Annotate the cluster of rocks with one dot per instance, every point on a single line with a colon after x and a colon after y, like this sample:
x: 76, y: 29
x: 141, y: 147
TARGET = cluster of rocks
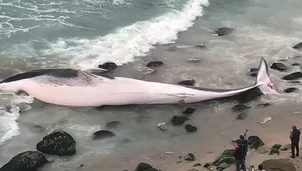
x: 226, y: 161
x: 58, y: 143
x: 222, y: 31
x: 179, y: 120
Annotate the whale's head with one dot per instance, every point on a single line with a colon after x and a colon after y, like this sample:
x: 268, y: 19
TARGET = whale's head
x: 14, y: 86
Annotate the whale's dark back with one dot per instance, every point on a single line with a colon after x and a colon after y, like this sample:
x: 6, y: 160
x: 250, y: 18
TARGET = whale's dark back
x: 62, y: 73
x: 59, y: 73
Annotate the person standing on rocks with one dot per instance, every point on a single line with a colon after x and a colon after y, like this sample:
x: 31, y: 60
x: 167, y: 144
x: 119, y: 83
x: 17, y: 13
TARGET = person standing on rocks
x: 239, y: 155
x: 244, y: 143
x: 295, y: 139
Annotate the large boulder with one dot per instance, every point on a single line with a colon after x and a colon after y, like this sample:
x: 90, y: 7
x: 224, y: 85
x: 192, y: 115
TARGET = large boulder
x: 57, y: 143
x: 144, y: 167
x: 278, y: 164
x: 254, y: 142
x: 226, y: 157
x: 26, y: 161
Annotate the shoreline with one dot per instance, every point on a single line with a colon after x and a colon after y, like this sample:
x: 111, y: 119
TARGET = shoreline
x: 207, y: 149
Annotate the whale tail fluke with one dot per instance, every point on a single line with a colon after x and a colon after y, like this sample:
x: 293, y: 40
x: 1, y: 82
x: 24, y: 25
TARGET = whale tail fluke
x: 263, y: 80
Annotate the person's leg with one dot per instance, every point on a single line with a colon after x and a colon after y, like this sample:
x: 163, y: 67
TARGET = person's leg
x: 293, y: 150
x: 238, y: 165
x: 297, y: 149
x: 243, y: 165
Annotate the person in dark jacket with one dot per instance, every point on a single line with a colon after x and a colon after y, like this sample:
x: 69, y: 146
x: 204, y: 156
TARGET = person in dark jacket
x: 295, y: 139
x: 244, y: 142
x: 239, y: 155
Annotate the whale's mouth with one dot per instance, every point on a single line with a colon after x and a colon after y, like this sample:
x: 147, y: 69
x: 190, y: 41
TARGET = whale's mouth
x: 22, y: 93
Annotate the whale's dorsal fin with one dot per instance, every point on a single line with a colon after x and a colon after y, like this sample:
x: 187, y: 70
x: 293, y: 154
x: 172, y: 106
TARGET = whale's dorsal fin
x: 98, y: 72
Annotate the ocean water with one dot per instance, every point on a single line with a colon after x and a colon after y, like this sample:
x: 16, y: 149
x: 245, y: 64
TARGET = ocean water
x: 84, y: 34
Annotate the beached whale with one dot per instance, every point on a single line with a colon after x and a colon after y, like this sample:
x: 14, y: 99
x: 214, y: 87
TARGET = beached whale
x: 70, y: 87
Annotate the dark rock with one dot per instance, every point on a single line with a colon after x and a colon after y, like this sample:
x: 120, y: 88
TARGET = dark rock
x: 145, y: 167
x: 253, y: 72
x: 264, y: 105
x: 26, y: 161
x: 108, y: 66
x: 189, y: 157
x: 113, y: 124
x: 178, y: 120
x: 275, y: 149
x: 207, y: 165
x: 190, y: 128
x: 290, y: 90
x: 196, y: 165
x: 226, y: 157
x: 188, y: 111
x: 255, y: 142
x: 223, y: 31
x: 242, y: 116
x: 293, y: 76
x: 280, y: 164
x: 57, y: 143
x: 102, y: 134
x: 277, y: 146
x: 298, y: 46
x: 187, y: 82
x: 153, y: 64
x: 240, y: 107
x: 278, y: 66
x: 296, y: 64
